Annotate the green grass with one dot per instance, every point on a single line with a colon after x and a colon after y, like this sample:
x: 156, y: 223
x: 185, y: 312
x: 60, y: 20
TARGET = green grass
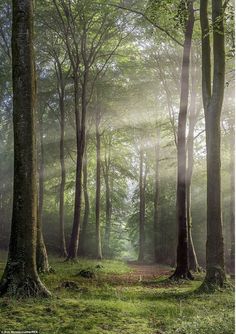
x: 104, y: 305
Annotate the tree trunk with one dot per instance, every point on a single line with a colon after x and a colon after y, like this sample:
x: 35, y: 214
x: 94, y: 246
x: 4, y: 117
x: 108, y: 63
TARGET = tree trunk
x: 142, y: 184
x: 83, y: 233
x: 41, y: 252
x: 106, y: 175
x: 20, y: 276
x: 98, y: 185
x: 232, y: 202
x: 213, y: 100
x: 193, y: 262
x: 182, y: 269
x: 80, y: 135
x: 156, y: 198
x: 61, y: 94
x: 108, y: 210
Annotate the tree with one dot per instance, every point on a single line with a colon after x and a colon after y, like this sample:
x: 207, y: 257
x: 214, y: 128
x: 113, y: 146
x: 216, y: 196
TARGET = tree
x: 106, y: 167
x: 98, y: 249
x: 84, y: 35
x: 61, y: 85
x: 156, y: 196
x: 142, y: 189
x: 232, y: 199
x: 193, y: 116
x: 41, y: 252
x: 212, y: 94
x: 182, y: 269
x: 83, y: 233
x: 72, y: 30
x: 20, y: 277
x: 169, y: 72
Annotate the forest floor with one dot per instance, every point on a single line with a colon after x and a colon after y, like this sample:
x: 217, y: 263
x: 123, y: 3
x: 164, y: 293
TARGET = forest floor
x: 118, y: 298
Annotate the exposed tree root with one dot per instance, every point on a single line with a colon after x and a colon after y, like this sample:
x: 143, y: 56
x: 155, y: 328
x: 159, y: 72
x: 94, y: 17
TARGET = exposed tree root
x: 72, y: 259
x: 48, y: 270
x: 23, y: 288
x: 181, y: 274
x: 215, y: 279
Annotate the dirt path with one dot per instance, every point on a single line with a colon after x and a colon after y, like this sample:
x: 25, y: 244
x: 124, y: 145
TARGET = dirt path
x: 139, y: 273
x: 147, y: 271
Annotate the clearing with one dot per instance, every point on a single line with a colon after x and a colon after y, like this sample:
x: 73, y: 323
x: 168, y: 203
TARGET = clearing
x: 119, y: 298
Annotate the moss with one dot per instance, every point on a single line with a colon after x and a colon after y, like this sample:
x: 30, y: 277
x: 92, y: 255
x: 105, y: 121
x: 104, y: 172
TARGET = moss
x: 98, y: 306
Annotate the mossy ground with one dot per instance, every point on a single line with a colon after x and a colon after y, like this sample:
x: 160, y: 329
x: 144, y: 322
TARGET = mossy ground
x: 106, y: 305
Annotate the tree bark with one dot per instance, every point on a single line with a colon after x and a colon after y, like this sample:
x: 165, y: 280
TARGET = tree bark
x: 80, y: 135
x: 41, y: 252
x: 182, y: 269
x: 232, y: 201
x: 61, y: 95
x: 106, y: 174
x: 142, y: 184
x: 156, y: 198
x: 98, y: 184
x: 83, y: 233
x: 193, y: 262
x: 20, y: 276
x: 213, y: 100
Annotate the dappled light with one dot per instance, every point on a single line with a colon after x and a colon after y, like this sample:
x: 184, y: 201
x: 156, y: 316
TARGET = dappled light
x: 117, y: 192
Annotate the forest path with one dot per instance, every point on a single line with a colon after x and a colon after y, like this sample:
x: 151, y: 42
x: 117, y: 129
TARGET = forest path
x: 140, y: 273
x: 148, y: 271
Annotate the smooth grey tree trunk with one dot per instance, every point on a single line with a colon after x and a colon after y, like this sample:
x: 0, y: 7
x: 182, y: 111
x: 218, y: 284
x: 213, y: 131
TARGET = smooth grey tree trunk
x: 20, y: 277
x: 61, y: 95
x: 213, y: 99
x: 182, y: 269
x: 80, y: 135
x: 156, y: 198
x: 142, y: 186
x: 98, y: 250
x: 107, y: 179
x: 193, y: 113
x: 41, y: 251
x: 83, y: 234
x: 232, y: 201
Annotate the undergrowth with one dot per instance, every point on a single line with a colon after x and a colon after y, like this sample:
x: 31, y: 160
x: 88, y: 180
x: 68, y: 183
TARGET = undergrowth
x: 101, y: 304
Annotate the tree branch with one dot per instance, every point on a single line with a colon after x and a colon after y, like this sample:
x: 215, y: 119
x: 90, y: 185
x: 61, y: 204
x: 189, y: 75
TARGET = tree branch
x: 137, y: 12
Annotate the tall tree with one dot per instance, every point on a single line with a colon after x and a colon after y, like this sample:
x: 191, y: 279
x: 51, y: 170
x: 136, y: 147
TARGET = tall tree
x: 98, y: 250
x: 83, y: 233
x: 156, y: 197
x: 107, y: 179
x: 41, y: 252
x: 20, y: 277
x: 84, y: 35
x: 75, y: 40
x: 182, y: 269
x: 232, y: 199
x: 213, y: 94
x: 193, y: 115
x: 61, y: 85
x: 142, y: 188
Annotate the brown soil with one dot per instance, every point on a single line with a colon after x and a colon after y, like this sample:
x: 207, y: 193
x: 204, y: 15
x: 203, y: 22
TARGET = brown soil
x: 139, y: 274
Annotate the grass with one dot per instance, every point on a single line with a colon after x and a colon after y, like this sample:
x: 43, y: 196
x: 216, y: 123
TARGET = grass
x: 104, y: 305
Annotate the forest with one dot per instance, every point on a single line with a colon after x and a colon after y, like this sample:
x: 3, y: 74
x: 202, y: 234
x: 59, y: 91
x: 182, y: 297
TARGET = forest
x: 117, y: 166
